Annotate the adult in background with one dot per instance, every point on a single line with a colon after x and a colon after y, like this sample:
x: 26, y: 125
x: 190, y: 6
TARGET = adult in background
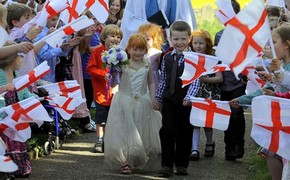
x: 136, y: 13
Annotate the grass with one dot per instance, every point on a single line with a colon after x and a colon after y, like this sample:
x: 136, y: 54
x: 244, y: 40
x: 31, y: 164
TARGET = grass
x: 259, y: 169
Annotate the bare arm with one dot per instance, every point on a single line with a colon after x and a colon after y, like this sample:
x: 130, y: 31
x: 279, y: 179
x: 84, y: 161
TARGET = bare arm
x: 218, y: 78
x: 152, y: 89
x: 23, y: 47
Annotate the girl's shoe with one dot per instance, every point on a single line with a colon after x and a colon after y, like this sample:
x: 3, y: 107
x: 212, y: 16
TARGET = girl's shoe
x: 194, y: 156
x: 209, y: 150
x: 125, y: 169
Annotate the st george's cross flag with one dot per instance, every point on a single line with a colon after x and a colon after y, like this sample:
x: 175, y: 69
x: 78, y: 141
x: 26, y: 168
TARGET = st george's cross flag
x: 16, y: 124
x: 65, y: 105
x: 252, y: 75
x: 244, y: 36
x: 73, y: 11
x: 51, y: 8
x: 17, y: 132
x: 27, y: 110
x: 271, y: 124
x: 218, y: 68
x: 34, y: 75
x: 53, y: 39
x: 69, y: 88
x: 210, y: 113
x: 6, y: 163
x: 278, y: 3
x: 99, y: 8
x: 195, y: 64
x: 225, y: 11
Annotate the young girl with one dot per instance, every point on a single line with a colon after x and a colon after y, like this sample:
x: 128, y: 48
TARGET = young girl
x: 201, y: 42
x: 133, y: 124
x: 116, y: 12
x: 154, y: 36
x: 111, y: 35
x: 16, y: 150
x: 281, y: 41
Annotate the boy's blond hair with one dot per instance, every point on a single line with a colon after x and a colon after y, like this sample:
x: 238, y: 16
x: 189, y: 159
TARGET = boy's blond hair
x: 15, y: 11
x: 110, y: 29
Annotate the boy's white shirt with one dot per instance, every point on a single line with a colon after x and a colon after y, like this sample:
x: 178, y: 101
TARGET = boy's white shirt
x: 135, y: 15
x: 4, y: 36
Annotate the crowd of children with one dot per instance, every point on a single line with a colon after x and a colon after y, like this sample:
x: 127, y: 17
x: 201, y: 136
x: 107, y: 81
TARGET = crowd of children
x: 149, y: 115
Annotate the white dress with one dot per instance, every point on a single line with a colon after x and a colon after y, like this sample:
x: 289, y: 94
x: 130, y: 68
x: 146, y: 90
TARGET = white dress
x: 132, y: 129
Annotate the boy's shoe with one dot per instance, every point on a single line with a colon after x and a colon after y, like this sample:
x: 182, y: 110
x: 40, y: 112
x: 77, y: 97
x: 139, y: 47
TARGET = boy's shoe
x: 181, y: 171
x: 90, y: 127
x: 99, y: 147
x: 165, y: 171
x: 230, y: 156
x: 239, y: 151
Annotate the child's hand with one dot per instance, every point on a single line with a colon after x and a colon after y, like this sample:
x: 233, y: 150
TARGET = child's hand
x: 268, y: 92
x: 275, y: 64
x: 186, y: 103
x: 234, y: 103
x: 72, y: 42
x: 108, y: 77
x: 33, y: 32
x: 265, y: 76
x: 155, y: 104
x: 9, y: 87
x: 51, y: 30
x: 24, y: 47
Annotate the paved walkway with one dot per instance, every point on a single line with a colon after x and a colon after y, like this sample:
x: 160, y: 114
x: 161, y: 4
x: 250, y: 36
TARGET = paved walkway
x: 75, y: 160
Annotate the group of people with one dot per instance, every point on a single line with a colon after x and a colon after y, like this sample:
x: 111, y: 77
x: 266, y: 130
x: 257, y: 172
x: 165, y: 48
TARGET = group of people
x: 147, y: 113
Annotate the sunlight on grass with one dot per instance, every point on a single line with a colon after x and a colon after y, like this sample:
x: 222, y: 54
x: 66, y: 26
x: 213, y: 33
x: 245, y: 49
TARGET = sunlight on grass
x: 135, y: 175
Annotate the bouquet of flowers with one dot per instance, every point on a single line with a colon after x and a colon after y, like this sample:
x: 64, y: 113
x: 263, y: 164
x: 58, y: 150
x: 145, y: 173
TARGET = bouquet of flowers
x: 114, y: 59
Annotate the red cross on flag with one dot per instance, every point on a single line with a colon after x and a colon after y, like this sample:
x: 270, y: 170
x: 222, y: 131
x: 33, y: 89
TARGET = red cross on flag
x: 27, y: 110
x: 218, y: 68
x: 69, y: 88
x: 195, y: 64
x: 210, y: 113
x: 76, y: 25
x: 244, y: 36
x: 99, y: 8
x: 271, y: 124
x: 64, y: 105
x: 17, y: 132
x: 225, y: 11
x: 34, y: 75
x: 252, y: 75
x: 50, y: 9
x: 16, y: 124
x: 279, y: 3
x: 73, y: 11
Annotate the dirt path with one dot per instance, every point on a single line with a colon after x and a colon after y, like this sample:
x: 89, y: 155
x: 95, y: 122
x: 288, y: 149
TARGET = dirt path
x: 76, y: 160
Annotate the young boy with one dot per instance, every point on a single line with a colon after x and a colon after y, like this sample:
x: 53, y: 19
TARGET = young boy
x: 176, y: 130
x: 51, y: 54
x: 21, y: 30
x: 23, y: 47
